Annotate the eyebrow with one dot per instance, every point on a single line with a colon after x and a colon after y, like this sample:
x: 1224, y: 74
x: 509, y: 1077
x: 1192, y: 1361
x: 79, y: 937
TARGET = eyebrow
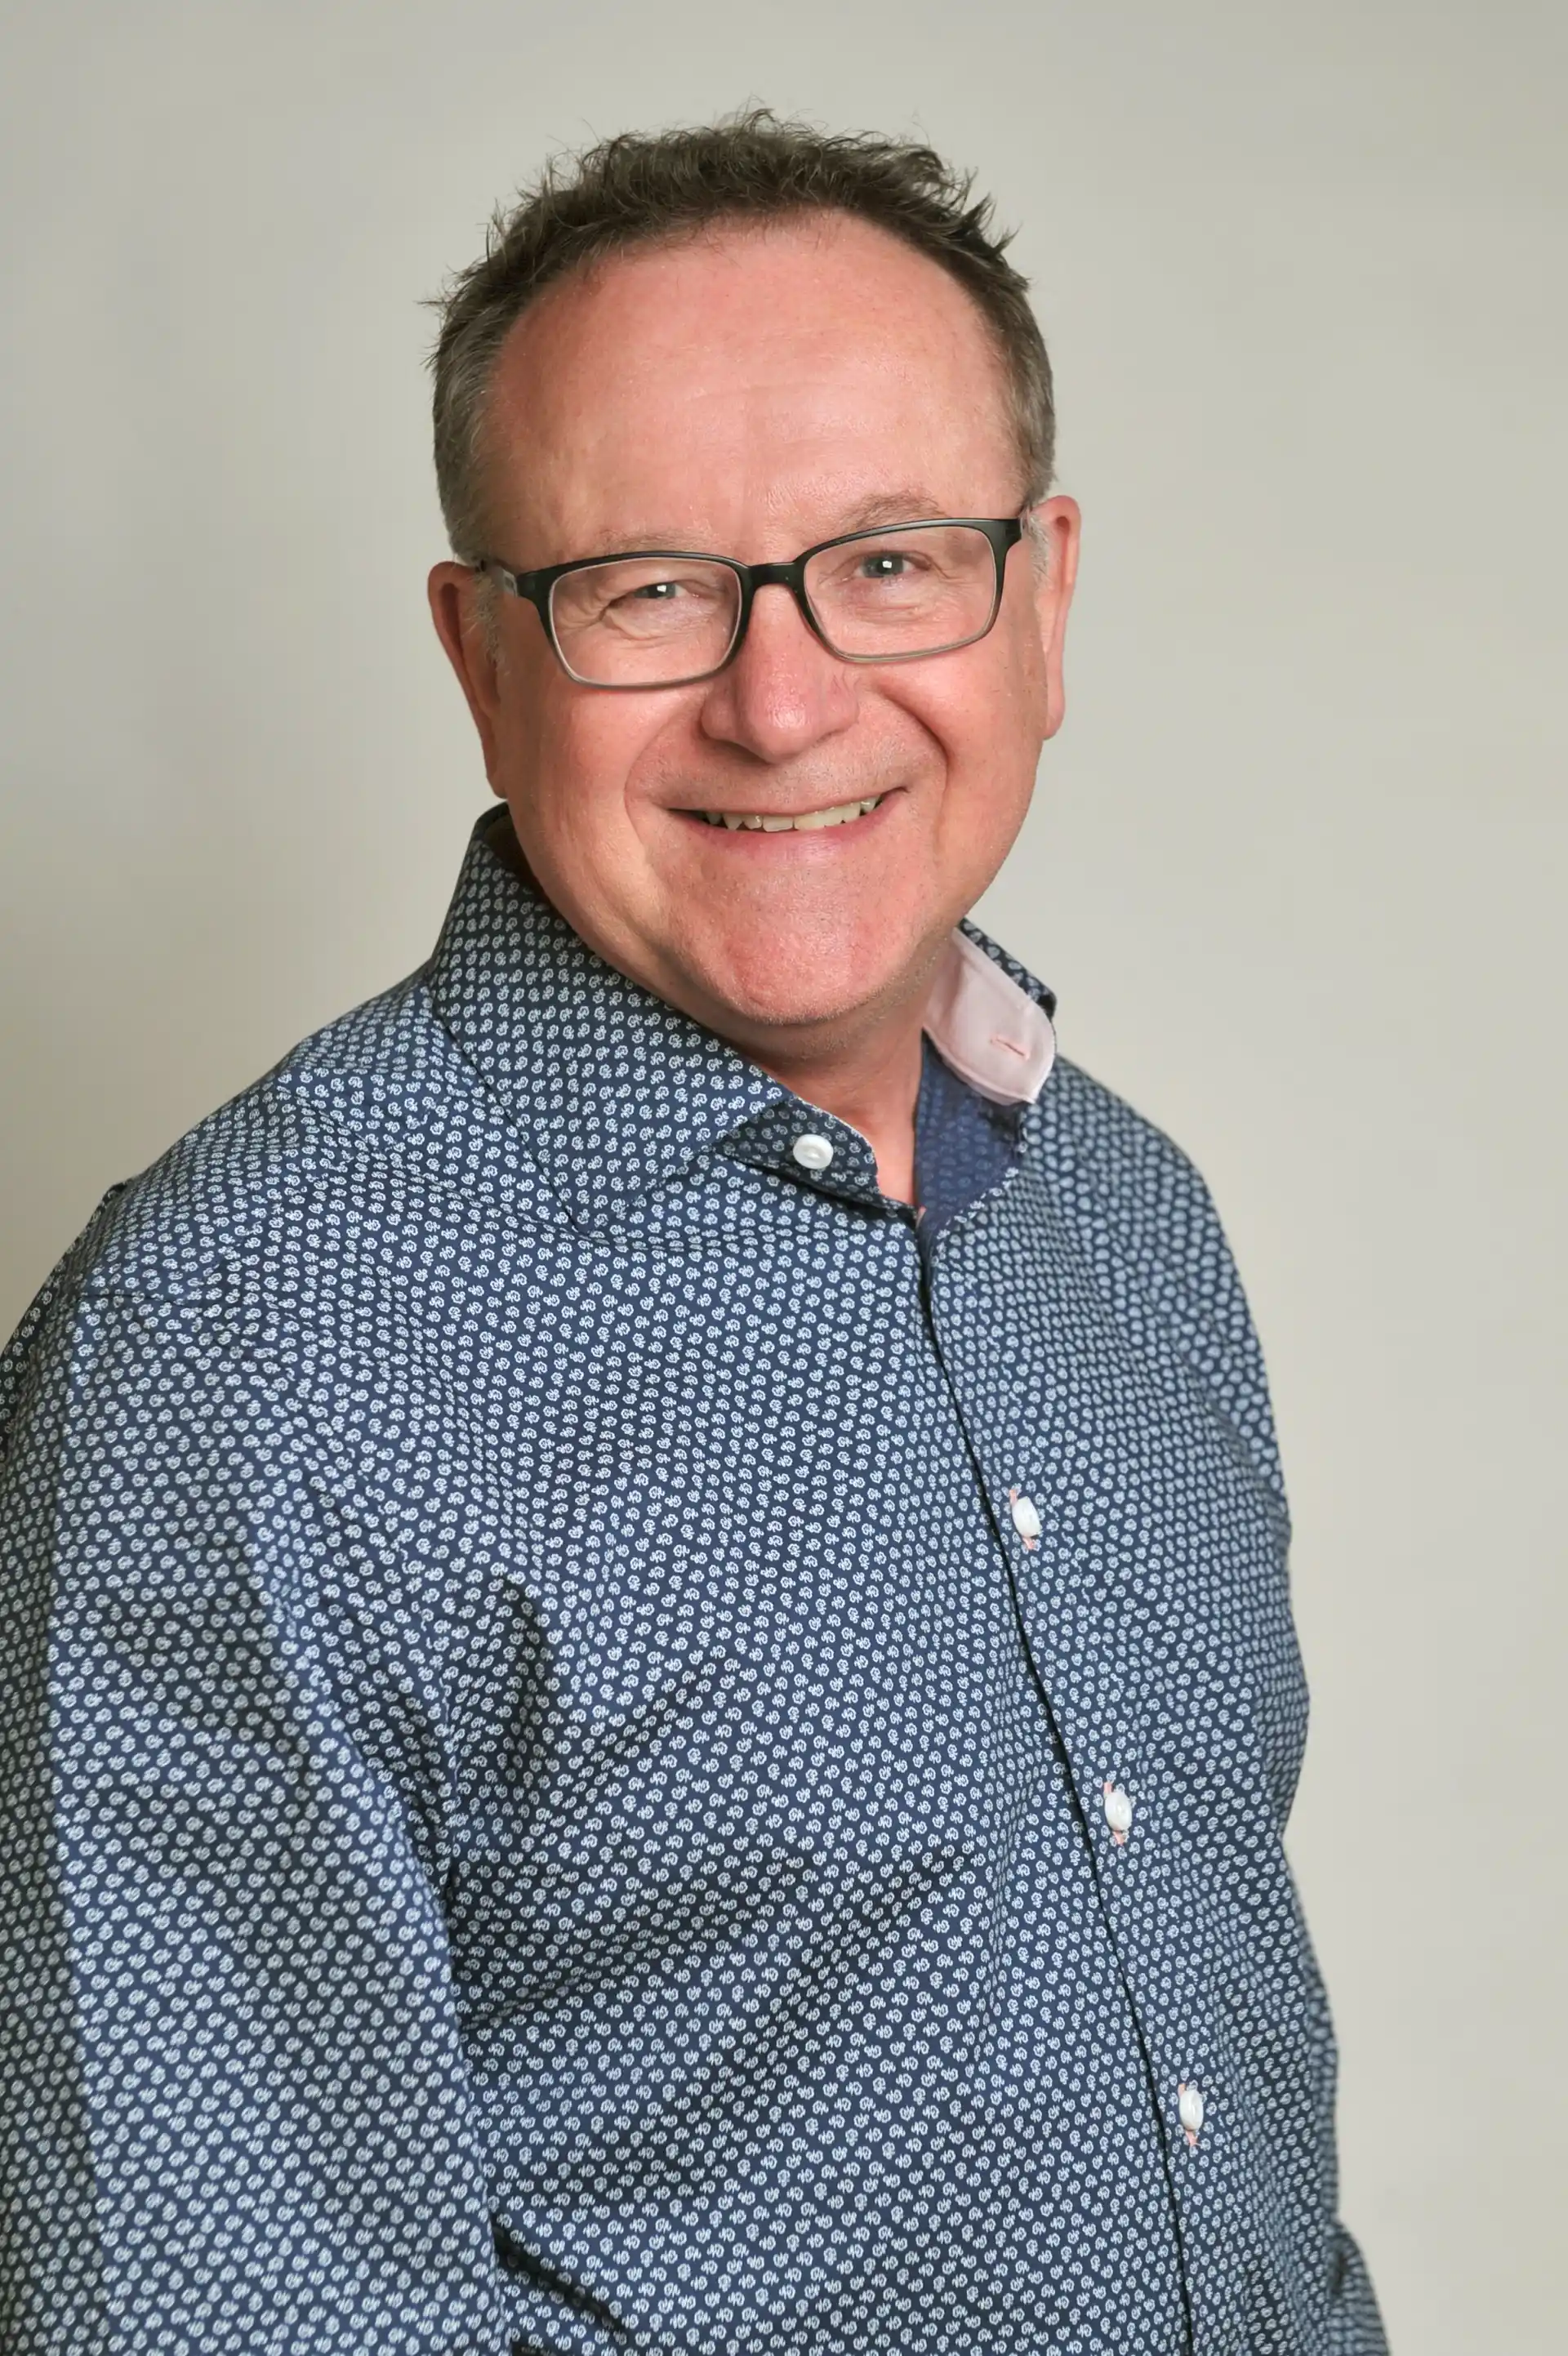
x: 895, y: 506
x: 882, y: 507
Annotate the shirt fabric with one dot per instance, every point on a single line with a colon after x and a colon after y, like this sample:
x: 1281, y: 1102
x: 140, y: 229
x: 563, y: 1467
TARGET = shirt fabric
x: 573, y: 1689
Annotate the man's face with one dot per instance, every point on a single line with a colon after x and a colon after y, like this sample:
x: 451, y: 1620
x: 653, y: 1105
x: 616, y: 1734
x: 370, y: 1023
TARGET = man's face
x: 749, y: 394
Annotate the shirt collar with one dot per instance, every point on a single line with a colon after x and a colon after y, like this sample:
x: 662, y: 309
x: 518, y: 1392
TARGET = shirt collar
x: 613, y: 1090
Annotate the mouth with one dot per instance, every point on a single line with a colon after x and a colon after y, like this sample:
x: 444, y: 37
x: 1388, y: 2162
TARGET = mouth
x: 782, y: 822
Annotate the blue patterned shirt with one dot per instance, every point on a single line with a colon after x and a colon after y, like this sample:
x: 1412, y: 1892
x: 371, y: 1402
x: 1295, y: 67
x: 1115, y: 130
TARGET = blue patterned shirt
x: 613, y: 1744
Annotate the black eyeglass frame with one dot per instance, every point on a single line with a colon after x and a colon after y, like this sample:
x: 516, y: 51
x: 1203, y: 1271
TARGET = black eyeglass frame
x: 537, y: 589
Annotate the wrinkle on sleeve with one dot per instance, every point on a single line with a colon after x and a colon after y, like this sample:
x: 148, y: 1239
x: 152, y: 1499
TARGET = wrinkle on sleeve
x: 1356, y: 2327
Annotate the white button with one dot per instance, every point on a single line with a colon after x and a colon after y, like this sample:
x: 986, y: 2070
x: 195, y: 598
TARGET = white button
x: 1118, y: 1812
x: 1190, y: 2110
x: 1025, y: 1516
x: 812, y: 1153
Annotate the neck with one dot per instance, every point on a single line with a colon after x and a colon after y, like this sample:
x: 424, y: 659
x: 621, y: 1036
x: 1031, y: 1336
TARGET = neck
x: 872, y: 1089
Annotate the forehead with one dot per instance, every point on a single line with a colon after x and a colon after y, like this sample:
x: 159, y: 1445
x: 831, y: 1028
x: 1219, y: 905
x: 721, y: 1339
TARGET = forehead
x: 745, y: 378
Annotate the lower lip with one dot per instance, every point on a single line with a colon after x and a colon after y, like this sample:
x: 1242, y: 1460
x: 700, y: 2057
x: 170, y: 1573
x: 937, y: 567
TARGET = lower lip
x: 758, y: 841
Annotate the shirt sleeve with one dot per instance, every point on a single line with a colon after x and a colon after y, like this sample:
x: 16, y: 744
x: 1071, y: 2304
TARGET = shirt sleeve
x: 1356, y: 2327
x: 234, y: 2114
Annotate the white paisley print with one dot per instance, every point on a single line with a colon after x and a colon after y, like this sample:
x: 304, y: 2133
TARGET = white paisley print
x: 610, y: 1744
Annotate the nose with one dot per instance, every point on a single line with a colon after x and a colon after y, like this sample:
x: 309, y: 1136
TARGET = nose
x: 784, y: 692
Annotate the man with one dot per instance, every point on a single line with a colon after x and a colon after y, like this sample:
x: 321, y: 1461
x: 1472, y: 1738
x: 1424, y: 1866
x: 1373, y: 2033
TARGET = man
x: 653, y: 1692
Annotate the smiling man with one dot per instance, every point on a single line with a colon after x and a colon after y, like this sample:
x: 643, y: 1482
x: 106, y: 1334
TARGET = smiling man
x: 652, y: 1700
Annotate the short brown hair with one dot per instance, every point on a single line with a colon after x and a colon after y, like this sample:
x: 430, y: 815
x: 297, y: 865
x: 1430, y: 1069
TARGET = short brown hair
x: 642, y: 187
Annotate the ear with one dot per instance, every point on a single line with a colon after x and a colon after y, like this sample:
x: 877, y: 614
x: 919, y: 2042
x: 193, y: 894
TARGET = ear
x: 454, y: 592
x: 1055, y: 524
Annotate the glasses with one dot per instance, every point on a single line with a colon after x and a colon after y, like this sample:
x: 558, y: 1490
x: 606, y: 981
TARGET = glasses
x: 664, y: 616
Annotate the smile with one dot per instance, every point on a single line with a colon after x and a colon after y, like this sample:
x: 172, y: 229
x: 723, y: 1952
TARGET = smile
x: 759, y: 822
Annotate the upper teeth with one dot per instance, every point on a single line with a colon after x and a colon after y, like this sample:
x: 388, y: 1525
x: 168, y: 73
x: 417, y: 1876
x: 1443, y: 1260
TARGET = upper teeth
x: 839, y: 815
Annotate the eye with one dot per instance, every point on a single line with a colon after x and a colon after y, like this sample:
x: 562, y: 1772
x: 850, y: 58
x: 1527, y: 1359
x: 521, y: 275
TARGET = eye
x: 884, y: 565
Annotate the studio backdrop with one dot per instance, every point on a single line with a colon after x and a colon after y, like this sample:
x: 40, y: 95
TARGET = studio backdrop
x: 1295, y: 866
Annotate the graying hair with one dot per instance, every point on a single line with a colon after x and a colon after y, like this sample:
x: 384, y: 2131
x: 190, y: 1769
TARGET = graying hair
x: 645, y: 187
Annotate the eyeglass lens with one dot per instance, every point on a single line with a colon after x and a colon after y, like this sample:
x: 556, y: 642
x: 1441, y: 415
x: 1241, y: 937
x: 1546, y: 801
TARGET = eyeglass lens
x: 651, y: 621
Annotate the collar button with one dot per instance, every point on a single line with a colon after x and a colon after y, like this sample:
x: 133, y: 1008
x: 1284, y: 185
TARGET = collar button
x: 812, y: 1153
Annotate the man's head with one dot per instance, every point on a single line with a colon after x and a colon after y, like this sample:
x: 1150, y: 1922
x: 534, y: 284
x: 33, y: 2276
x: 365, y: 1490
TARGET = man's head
x: 746, y: 340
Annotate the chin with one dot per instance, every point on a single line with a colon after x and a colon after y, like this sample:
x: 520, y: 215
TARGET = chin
x: 793, y: 981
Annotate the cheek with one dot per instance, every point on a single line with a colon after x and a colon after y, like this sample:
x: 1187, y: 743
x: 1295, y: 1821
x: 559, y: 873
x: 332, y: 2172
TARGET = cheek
x: 573, y: 754
x: 1022, y: 682
x: 986, y: 708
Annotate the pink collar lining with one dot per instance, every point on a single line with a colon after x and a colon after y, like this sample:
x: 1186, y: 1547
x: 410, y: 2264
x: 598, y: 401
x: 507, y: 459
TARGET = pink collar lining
x: 988, y: 1031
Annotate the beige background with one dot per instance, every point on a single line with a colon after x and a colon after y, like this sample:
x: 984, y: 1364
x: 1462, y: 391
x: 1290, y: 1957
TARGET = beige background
x: 1294, y: 867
